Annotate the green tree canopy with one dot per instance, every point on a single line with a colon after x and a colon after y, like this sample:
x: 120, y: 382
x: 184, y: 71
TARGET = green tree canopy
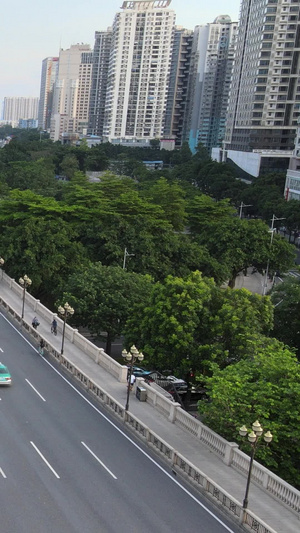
x: 168, y: 327
x: 104, y: 298
x: 265, y: 386
x: 286, y: 300
x: 46, y: 250
x: 238, y: 316
x: 188, y: 323
x: 237, y: 243
x: 37, y: 176
x: 69, y: 165
x: 170, y: 196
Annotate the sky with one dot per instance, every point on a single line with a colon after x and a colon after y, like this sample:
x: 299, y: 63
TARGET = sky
x: 31, y: 31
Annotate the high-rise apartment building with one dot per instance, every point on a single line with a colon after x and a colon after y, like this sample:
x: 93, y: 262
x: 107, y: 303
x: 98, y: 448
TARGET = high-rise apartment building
x: 264, y: 102
x: 48, y: 79
x: 70, y: 110
x: 99, y: 81
x: 175, y: 113
x: 139, y: 67
x: 209, y: 82
x: 16, y: 108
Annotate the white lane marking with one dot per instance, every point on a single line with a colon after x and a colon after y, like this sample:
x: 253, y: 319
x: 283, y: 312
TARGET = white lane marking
x: 99, y: 461
x: 2, y: 473
x: 1, y: 350
x: 44, y: 459
x: 37, y: 392
x: 124, y: 434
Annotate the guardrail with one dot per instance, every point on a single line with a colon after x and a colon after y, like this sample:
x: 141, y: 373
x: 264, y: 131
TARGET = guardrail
x: 176, y: 461
x: 98, y: 355
x: 229, y: 452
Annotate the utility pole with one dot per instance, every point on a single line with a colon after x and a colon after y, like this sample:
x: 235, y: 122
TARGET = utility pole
x: 268, y: 264
x: 126, y: 254
x: 242, y: 206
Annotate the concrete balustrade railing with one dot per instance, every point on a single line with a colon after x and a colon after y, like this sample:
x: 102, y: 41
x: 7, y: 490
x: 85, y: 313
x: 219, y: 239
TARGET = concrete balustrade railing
x: 175, y: 413
x: 96, y: 354
x: 177, y: 461
x: 266, y: 479
x: 229, y: 452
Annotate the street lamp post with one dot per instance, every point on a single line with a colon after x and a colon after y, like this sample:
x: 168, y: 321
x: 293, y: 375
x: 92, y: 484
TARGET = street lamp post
x: 253, y: 438
x: 126, y: 254
x: 242, y: 207
x: 268, y: 264
x: 65, y: 311
x: 131, y: 357
x: 24, y: 282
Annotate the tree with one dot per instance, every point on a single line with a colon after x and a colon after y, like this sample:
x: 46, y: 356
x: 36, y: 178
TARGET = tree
x: 69, y: 165
x: 204, y: 211
x: 96, y: 160
x: 188, y: 323
x: 238, y: 316
x: 265, y: 195
x: 104, y: 298
x: 37, y: 176
x: 181, y: 156
x: 168, y: 327
x: 202, y: 154
x: 14, y: 151
x: 47, y: 250
x: 291, y: 214
x: 155, y: 143
x: 286, y: 300
x: 170, y: 196
x: 237, y: 243
x: 265, y: 386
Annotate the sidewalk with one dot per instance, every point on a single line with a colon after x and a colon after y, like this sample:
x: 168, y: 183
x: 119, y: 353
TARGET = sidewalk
x: 253, y: 282
x: 277, y: 516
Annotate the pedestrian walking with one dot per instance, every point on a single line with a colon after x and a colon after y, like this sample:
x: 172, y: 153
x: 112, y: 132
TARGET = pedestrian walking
x: 54, y: 327
x: 132, y: 381
x: 41, y: 347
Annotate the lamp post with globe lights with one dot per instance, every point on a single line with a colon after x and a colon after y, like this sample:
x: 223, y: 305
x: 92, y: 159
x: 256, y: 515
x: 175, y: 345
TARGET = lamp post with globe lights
x: 65, y: 311
x: 24, y: 282
x: 131, y: 357
x: 253, y: 437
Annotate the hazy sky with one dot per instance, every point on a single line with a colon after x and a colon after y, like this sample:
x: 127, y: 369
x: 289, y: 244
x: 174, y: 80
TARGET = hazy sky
x: 31, y: 31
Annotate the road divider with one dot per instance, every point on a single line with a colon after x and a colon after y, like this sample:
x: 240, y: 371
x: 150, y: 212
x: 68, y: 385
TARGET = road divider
x: 44, y: 459
x: 37, y: 392
x: 99, y: 460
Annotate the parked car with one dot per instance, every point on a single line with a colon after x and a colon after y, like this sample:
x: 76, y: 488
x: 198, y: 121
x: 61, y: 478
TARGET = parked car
x: 179, y: 384
x: 140, y: 372
x: 169, y: 383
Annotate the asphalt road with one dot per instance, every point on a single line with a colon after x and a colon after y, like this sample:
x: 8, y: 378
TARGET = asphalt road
x: 66, y: 467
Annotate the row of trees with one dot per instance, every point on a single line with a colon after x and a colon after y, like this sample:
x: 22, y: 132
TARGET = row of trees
x: 85, y: 222
x: 186, y: 245
x: 264, y: 195
x: 192, y: 326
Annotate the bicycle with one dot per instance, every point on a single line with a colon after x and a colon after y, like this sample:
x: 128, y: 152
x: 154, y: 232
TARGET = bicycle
x: 54, y: 330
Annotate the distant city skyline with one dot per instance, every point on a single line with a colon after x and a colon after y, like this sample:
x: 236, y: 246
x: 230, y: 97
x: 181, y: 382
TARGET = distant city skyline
x: 32, y: 32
